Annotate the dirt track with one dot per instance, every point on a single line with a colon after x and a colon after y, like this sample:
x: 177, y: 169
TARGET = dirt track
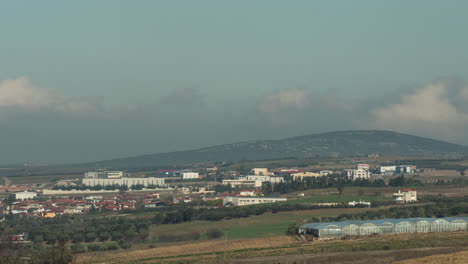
x: 453, y: 258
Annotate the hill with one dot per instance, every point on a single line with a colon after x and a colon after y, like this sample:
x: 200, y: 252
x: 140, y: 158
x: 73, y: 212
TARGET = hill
x: 331, y: 144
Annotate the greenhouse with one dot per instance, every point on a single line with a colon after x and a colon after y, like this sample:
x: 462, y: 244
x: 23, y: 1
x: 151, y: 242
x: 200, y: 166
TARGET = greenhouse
x: 385, y: 226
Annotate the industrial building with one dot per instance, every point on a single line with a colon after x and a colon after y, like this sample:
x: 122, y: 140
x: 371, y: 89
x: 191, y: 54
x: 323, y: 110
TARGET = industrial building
x: 384, y: 226
x: 301, y: 175
x: 125, y: 181
x: 239, y: 201
x: 190, y: 175
x: 358, y: 174
x: 104, y: 175
x: 25, y: 195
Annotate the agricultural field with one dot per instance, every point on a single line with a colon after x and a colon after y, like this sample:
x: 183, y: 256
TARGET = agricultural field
x: 283, y: 249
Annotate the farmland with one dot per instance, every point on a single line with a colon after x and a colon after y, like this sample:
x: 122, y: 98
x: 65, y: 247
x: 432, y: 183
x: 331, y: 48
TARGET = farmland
x: 281, y: 248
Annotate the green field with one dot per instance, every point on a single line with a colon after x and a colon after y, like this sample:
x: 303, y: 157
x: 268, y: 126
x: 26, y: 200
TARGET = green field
x: 255, y: 226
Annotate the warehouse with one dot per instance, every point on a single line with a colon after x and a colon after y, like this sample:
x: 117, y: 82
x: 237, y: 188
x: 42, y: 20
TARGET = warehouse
x: 384, y: 226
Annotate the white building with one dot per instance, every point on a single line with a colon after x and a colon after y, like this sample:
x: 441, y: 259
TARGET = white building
x: 363, y: 166
x: 125, y: 181
x: 405, y: 196
x: 247, y: 193
x: 240, y: 201
x: 104, y: 175
x: 389, y: 170
x: 260, y: 171
x: 25, y: 195
x: 325, y: 173
x: 360, y: 203
x: 272, y: 179
x: 406, y: 169
x: 242, y: 182
x: 358, y: 174
x: 190, y: 175
x: 114, y: 174
x: 302, y: 175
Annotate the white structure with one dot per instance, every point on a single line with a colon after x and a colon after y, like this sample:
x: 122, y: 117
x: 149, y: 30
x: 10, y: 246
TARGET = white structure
x: 104, y: 175
x: 388, y: 169
x: 247, y: 193
x: 124, y: 181
x: 271, y: 179
x: 353, y: 203
x: 25, y: 195
x: 114, y: 174
x: 363, y: 166
x: 240, y: 201
x: 325, y: 173
x: 242, y: 182
x: 358, y: 174
x: 302, y: 175
x: 405, y: 196
x: 260, y: 171
x: 190, y: 175
x: 406, y: 169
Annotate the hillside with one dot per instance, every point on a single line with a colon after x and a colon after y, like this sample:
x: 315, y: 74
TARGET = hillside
x: 331, y: 144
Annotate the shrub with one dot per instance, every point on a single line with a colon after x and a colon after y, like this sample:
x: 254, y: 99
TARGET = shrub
x: 213, y: 233
x: 94, y: 247
x: 78, y: 248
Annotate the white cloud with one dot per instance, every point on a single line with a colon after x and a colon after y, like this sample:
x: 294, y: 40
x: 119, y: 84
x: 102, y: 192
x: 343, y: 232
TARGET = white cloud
x: 283, y: 100
x: 426, y: 110
x: 22, y: 94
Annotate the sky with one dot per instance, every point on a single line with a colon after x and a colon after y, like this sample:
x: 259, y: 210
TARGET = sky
x: 93, y: 80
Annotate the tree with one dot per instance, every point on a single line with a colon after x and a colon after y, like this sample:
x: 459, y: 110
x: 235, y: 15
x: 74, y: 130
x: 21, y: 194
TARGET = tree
x: 214, y: 232
x: 340, y: 188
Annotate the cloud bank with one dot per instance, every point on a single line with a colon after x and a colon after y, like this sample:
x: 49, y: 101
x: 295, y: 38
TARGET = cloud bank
x: 41, y: 124
x: 23, y: 95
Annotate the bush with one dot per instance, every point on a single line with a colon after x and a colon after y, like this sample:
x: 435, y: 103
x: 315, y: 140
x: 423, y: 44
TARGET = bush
x: 213, y: 233
x: 104, y: 236
x: 112, y: 247
x: 94, y: 248
x: 78, y: 248
x: 125, y: 245
x: 78, y: 238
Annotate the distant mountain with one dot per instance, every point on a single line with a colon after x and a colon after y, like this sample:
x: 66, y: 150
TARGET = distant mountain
x: 331, y: 144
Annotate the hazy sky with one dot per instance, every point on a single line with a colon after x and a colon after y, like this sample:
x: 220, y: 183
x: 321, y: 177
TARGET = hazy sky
x: 90, y: 80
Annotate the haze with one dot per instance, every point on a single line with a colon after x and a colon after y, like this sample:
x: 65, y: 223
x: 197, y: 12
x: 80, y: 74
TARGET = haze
x: 92, y: 80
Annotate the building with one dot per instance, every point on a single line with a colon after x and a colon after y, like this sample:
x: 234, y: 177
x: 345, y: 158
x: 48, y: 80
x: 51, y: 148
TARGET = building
x: 190, y: 175
x: 405, y: 196
x: 114, y: 174
x: 358, y: 174
x: 242, y: 182
x: 325, y: 173
x: 384, y: 226
x: 363, y: 166
x: 125, y: 181
x: 247, y: 193
x: 25, y: 195
x: 388, y: 170
x: 260, y: 171
x: 104, y: 175
x: 301, y: 175
x: 241, y: 201
x: 406, y: 169
x: 272, y: 179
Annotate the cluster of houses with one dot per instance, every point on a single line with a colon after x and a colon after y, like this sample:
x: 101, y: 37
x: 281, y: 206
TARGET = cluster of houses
x: 363, y: 171
x: 27, y: 203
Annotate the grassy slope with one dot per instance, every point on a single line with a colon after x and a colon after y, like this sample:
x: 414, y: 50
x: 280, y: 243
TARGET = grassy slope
x: 255, y: 226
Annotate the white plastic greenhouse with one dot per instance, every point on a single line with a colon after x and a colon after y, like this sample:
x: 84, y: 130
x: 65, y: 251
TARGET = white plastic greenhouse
x: 385, y: 226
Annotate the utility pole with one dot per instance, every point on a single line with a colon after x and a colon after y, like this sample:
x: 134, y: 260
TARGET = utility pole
x: 225, y: 243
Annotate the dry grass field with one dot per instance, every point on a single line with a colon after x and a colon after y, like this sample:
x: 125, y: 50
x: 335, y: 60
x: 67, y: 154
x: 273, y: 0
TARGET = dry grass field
x: 284, y: 249
x: 453, y: 258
